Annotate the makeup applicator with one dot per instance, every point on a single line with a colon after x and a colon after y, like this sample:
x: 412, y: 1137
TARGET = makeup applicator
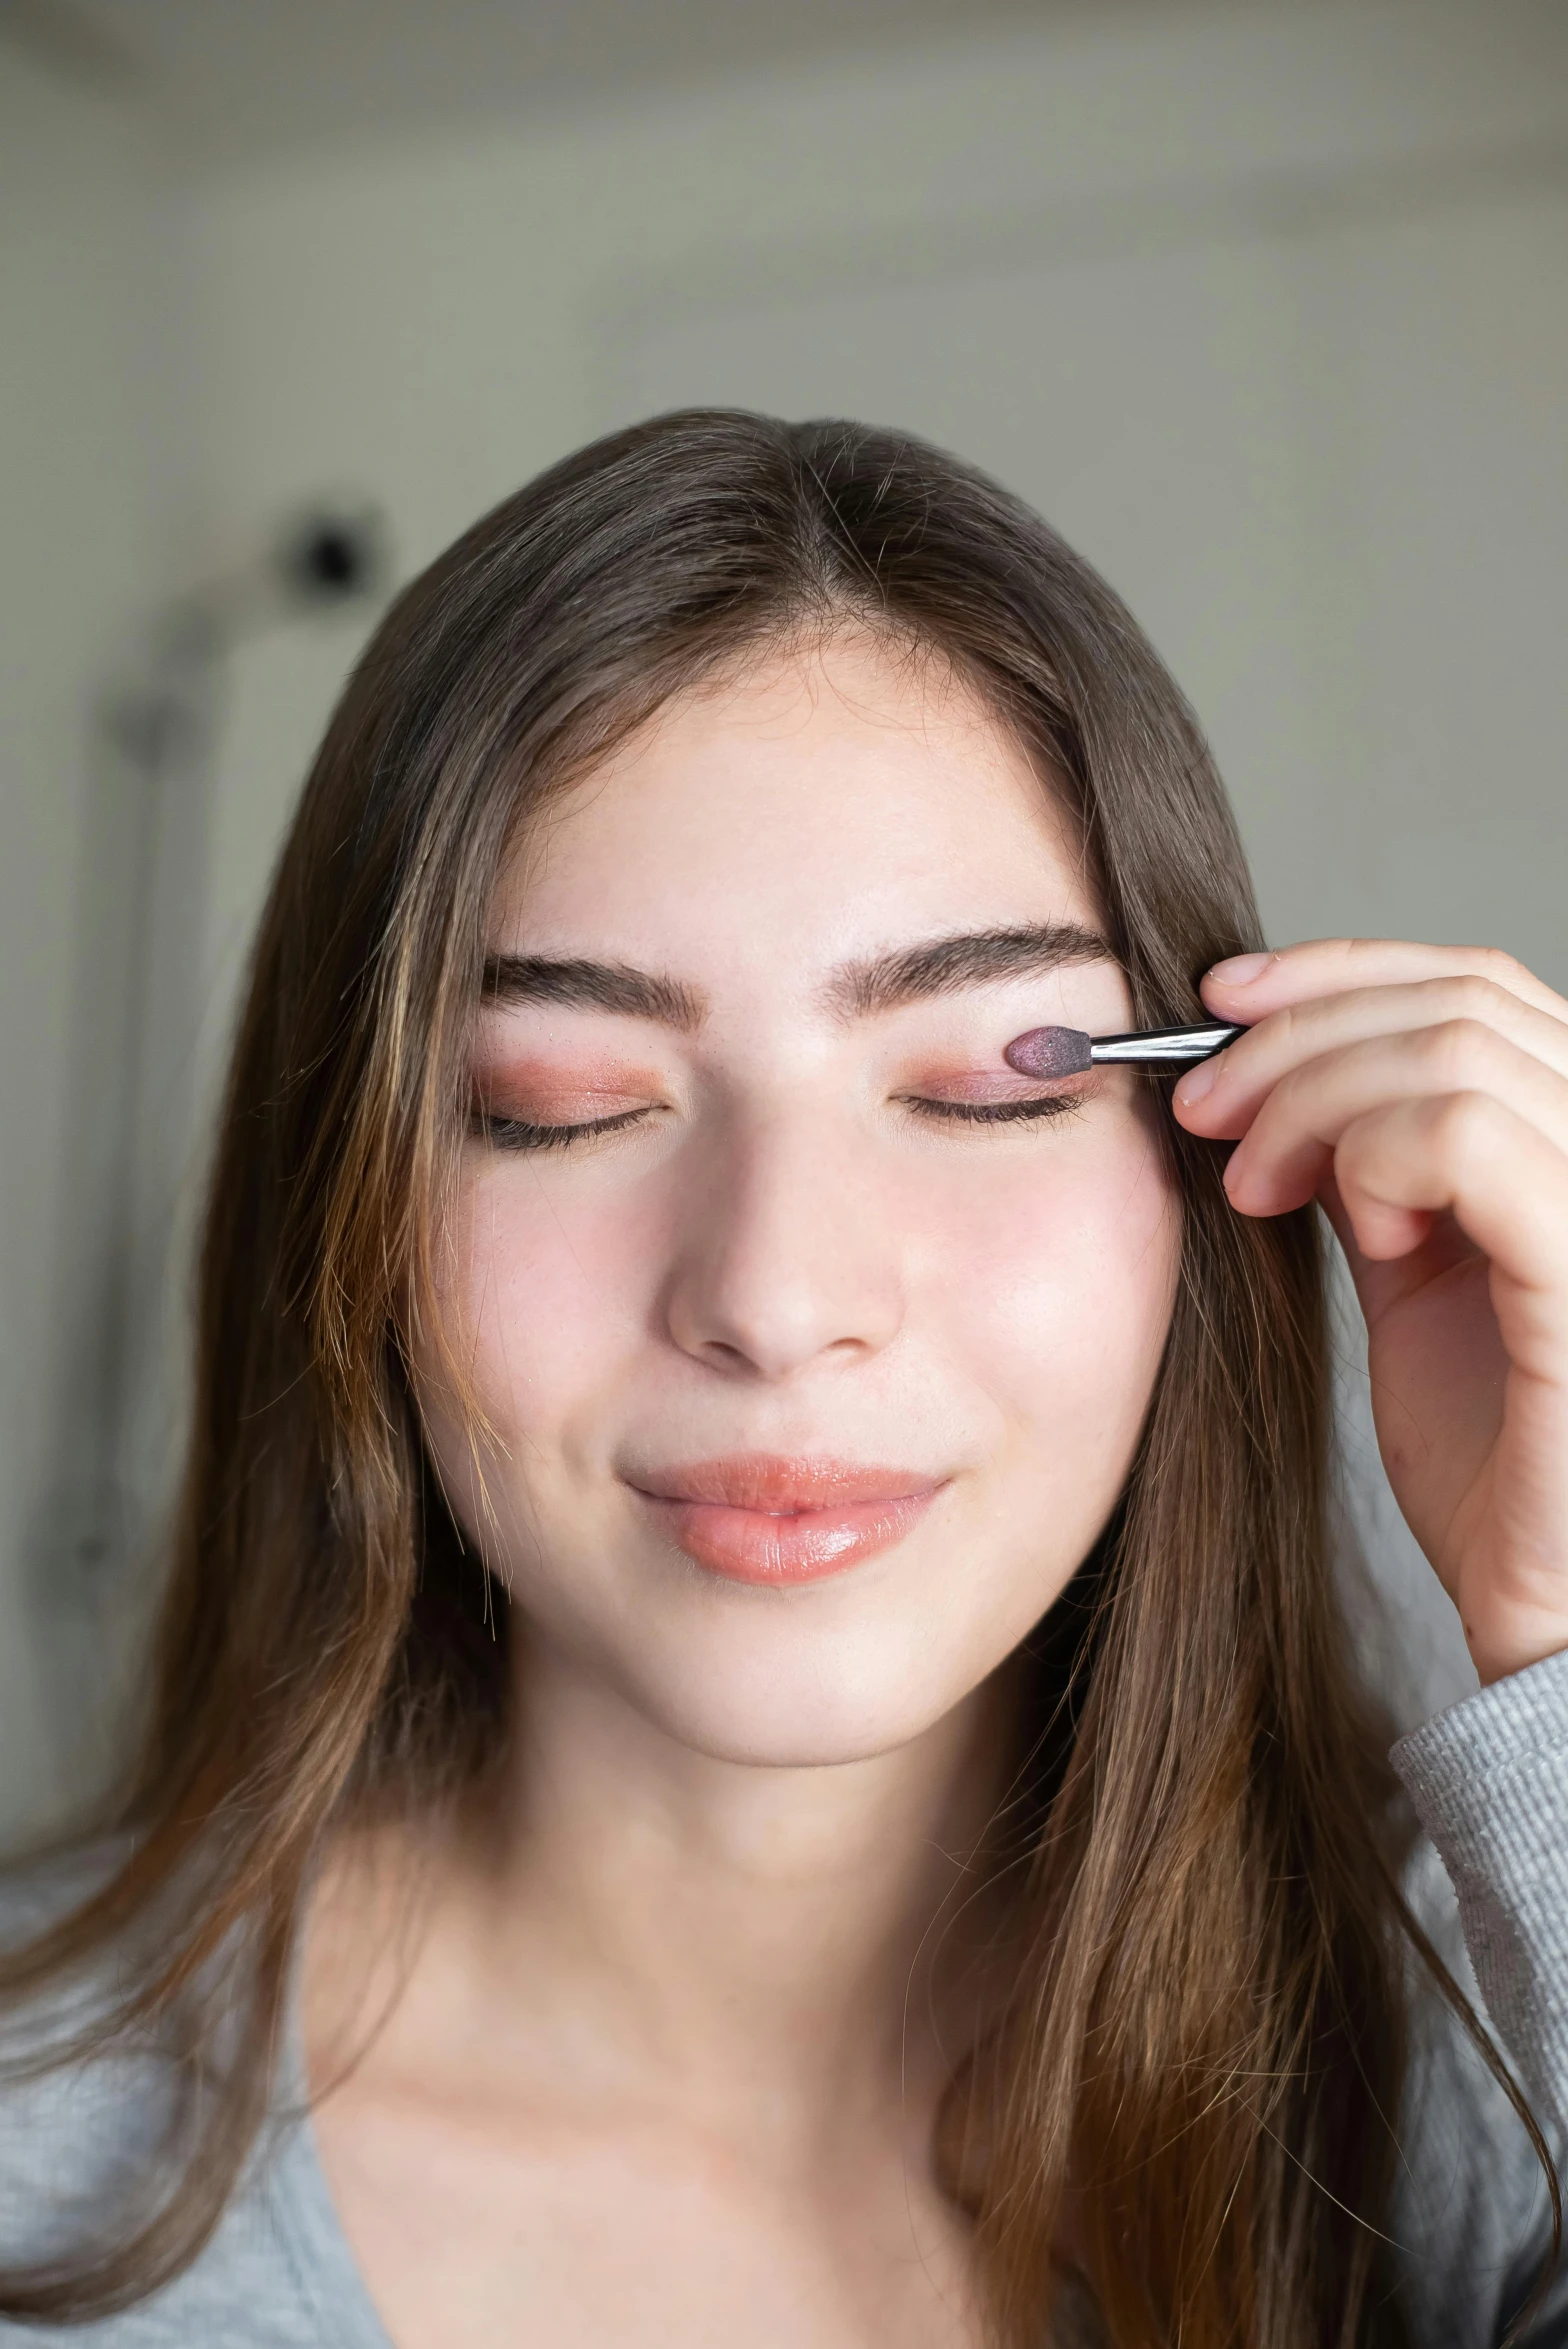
x: 1067, y: 1052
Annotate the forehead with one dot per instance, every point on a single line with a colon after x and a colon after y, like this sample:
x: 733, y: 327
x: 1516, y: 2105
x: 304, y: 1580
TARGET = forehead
x: 805, y: 806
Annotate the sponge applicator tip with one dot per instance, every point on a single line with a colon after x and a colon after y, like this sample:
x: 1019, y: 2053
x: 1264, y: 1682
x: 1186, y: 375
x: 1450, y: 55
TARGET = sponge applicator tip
x: 1049, y: 1052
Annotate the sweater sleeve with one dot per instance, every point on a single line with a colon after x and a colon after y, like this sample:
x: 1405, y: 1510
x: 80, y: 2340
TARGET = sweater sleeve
x: 1489, y: 1781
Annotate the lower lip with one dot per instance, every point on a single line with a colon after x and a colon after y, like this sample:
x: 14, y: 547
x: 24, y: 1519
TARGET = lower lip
x: 804, y: 1545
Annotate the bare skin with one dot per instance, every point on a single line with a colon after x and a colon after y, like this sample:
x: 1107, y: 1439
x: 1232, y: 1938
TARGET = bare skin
x: 649, y: 2079
x: 663, y: 2062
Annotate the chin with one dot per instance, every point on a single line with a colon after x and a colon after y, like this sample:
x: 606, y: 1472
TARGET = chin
x: 779, y: 1685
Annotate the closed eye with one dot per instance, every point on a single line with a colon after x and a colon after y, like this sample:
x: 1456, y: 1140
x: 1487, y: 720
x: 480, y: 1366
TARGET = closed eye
x: 997, y: 1113
x: 516, y: 1133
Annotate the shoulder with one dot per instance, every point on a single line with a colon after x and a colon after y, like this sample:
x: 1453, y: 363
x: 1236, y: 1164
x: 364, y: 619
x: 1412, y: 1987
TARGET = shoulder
x: 75, y: 2134
x: 82, y: 2140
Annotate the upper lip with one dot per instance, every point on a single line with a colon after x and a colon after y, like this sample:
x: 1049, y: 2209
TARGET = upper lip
x: 779, y: 1485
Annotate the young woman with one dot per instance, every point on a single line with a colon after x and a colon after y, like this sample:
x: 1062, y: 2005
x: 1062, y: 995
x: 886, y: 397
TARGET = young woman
x: 753, y: 1715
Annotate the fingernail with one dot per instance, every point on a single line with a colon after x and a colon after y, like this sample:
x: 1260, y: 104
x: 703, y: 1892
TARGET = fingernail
x: 1197, y: 1082
x: 1241, y: 969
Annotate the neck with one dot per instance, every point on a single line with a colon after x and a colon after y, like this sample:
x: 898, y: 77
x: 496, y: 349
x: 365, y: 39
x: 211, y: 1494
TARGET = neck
x: 720, y: 1934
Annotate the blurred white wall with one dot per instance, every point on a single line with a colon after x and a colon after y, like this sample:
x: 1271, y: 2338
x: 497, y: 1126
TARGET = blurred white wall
x: 1268, y: 311
x: 83, y: 522
x: 1270, y: 314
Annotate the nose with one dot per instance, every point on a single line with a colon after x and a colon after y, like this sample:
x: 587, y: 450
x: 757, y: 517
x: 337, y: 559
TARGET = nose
x: 787, y: 1257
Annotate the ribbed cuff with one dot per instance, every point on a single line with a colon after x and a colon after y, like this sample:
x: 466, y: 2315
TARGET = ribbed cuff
x: 1489, y: 1781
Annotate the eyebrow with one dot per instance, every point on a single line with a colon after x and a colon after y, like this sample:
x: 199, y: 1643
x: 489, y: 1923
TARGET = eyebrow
x: 968, y: 958
x: 598, y: 986
x: 857, y: 990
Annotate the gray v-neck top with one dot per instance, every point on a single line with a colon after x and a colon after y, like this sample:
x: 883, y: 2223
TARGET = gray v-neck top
x: 1489, y: 1779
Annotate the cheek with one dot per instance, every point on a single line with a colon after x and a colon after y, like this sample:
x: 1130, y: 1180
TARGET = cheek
x: 1060, y: 1294
x: 542, y: 1299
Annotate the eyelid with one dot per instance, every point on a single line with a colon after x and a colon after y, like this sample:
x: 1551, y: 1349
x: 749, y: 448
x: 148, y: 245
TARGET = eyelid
x: 559, y: 1085
x: 552, y: 1097
x: 983, y: 1085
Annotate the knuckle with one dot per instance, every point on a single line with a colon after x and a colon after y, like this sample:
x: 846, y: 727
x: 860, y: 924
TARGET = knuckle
x: 1458, y: 1047
x: 1294, y: 1085
x: 1466, y: 1122
x: 1284, y: 1023
x: 1459, y: 995
x: 1480, y: 996
x: 1500, y: 969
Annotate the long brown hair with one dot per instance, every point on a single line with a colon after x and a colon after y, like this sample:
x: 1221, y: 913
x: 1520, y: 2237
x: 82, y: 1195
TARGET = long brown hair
x: 1205, y: 2030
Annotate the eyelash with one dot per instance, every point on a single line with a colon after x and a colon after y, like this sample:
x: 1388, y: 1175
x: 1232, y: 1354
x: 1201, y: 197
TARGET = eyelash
x: 511, y: 1133
x: 514, y: 1133
x: 998, y: 1113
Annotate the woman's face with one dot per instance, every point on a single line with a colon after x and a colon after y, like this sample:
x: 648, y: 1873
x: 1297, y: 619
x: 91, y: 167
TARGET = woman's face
x: 811, y: 1381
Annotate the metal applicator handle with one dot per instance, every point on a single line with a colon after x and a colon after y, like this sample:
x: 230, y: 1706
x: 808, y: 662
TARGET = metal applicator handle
x: 1165, y: 1047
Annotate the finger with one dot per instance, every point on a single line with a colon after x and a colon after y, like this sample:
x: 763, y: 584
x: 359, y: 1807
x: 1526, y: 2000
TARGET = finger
x: 1247, y: 988
x: 1506, y: 1186
x: 1434, y: 1243
x: 1290, y: 1143
x: 1220, y: 1096
x: 1451, y: 1026
x: 1436, y: 1246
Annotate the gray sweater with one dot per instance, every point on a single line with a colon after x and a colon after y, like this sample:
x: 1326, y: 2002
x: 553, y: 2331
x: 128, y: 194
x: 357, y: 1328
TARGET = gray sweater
x: 1489, y: 1779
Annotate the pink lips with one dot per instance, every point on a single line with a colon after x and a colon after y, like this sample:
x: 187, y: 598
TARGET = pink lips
x: 760, y: 1518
